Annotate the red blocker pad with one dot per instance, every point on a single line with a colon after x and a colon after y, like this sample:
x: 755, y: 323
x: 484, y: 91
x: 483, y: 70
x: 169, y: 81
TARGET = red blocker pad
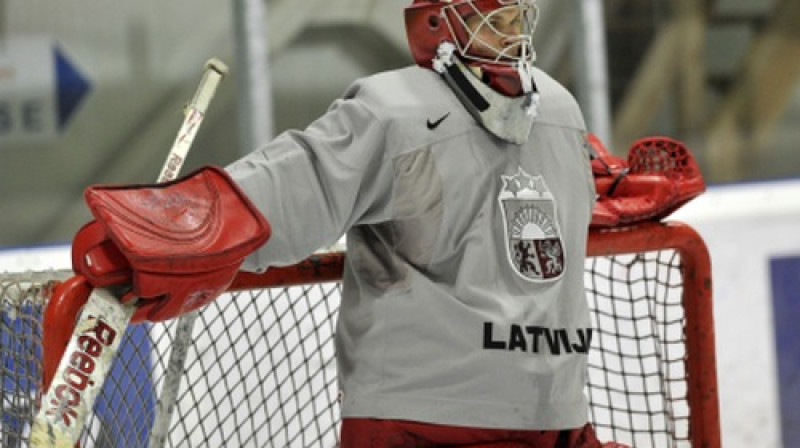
x: 177, y: 244
x: 658, y: 176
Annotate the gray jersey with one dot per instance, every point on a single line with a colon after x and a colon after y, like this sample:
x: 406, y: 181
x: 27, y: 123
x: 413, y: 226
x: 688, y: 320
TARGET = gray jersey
x: 463, y: 299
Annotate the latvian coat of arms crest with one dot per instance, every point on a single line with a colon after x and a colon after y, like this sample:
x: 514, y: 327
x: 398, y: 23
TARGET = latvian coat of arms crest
x: 533, y: 239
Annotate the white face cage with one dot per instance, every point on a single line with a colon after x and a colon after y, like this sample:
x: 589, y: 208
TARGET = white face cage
x: 516, y: 35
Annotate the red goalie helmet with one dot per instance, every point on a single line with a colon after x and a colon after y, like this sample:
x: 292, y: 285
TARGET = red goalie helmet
x: 495, y: 36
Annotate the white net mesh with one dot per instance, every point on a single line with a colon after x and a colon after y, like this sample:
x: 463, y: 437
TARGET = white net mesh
x: 22, y: 299
x: 637, y: 366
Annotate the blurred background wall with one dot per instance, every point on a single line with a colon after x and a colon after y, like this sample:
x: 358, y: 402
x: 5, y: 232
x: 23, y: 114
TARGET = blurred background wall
x: 92, y: 91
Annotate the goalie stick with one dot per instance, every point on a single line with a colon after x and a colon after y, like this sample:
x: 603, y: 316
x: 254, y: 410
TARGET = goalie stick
x: 98, y: 331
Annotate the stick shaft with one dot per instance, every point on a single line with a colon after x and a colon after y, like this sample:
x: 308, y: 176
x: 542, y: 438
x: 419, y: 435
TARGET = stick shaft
x: 193, y: 116
x: 183, y: 332
x: 89, y: 355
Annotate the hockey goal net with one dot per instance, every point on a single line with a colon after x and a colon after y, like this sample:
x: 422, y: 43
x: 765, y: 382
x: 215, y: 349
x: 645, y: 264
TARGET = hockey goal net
x: 259, y: 371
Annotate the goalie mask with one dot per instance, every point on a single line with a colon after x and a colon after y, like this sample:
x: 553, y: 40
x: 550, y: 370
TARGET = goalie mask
x: 484, y: 50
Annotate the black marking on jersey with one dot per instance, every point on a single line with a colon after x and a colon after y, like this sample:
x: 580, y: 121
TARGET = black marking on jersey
x: 536, y: 339
x: 435, y: 124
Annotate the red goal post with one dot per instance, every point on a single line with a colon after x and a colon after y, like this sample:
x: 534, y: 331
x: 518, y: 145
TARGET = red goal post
x: 260, y: 369
x: 697, y: 322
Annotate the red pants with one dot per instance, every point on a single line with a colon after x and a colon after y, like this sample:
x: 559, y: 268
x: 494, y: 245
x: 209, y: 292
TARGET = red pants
x: 371, y: 433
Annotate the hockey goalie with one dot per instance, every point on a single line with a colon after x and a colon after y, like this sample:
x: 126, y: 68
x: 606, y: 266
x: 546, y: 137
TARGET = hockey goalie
x: 466, y: 185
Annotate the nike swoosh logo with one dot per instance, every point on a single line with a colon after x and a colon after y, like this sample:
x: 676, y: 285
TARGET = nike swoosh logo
x: 435, y: 124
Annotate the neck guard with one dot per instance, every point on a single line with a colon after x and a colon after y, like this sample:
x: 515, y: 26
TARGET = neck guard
x: 508, y: 118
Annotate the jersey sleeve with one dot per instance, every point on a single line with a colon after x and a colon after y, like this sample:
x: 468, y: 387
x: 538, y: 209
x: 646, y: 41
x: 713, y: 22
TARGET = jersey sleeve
x: 312, y: 185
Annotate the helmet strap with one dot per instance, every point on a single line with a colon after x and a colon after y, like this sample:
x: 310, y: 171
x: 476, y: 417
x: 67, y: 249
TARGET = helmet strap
x: 445, y: 65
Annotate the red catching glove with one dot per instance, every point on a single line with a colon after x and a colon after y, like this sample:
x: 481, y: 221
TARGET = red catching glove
x: 176, y: 245
x: 659, y: 176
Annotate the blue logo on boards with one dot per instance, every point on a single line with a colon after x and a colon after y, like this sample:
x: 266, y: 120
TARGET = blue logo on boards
x: 785, y: 282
